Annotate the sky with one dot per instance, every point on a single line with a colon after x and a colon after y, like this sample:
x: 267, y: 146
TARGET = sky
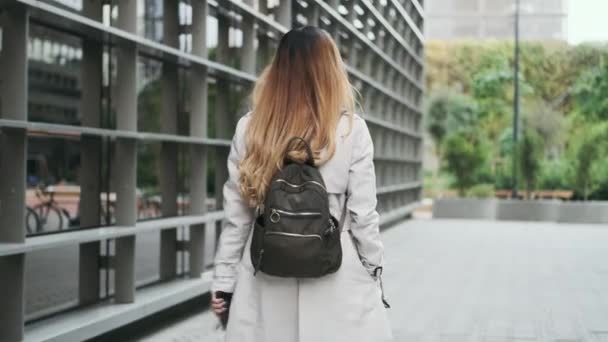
x: 587, y: 21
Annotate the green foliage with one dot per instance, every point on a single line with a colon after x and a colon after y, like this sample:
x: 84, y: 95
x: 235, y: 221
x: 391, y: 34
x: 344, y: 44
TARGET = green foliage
x: 547, y: 122
x: 481, y: 191
x: 590, y: 93
x: 447, y: 112
x: 464, y: 159
x: 529, y: 153
x: 588, y: 154
x: 503, y: 178
x: 601, y: 174
x: 554, y: 174
x: 563, y: 104
x: 505, y: 142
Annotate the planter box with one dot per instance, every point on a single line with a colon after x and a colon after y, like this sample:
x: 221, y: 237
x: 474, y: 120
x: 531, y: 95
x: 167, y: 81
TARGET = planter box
x: 466, y: 208
x: 521, y: 210
x: 583, y: 212
x: 528, y: 210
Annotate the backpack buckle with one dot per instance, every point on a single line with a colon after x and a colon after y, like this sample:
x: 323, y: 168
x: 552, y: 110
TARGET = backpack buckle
x: 274, y: 216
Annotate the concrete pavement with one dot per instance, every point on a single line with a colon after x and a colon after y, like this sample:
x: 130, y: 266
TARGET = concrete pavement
x: 457, y: 280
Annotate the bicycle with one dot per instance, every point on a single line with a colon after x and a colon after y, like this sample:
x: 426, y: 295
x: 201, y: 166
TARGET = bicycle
x: 50, y: 214
x: 32, y: 222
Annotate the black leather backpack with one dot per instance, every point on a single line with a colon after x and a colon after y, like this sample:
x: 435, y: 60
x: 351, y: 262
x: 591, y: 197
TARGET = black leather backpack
x: 294, y: 233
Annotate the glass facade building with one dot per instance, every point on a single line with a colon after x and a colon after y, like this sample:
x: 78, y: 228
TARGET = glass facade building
x: 115, y: 124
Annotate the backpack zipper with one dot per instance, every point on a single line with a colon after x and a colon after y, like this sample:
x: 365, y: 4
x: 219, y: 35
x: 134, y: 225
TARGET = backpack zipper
x: 281, y: 180
x: 275, y: 214
x: 316, y: 236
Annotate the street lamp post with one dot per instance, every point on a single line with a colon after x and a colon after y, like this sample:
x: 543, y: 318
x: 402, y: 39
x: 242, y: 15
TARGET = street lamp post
x: 515, y: 101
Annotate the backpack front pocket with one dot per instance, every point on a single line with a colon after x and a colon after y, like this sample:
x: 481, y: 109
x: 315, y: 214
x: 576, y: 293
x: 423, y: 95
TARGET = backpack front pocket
x: 290, y: 254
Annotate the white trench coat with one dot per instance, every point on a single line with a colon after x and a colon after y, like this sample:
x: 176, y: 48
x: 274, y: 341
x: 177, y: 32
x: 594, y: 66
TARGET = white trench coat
x: 342, y: 307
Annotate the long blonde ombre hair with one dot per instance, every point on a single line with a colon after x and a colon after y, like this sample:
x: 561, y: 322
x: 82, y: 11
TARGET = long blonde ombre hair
x: 302, y: 92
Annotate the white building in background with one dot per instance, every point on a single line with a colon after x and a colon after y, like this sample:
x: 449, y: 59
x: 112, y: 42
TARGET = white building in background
x: 493, y: 19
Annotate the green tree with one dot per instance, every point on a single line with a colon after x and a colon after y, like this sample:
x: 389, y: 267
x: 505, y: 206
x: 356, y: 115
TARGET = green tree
x: 530, y: 154
x: 554, y: 174
x: 547, y: 122
x: 563, y: 91
x: 448, y: 111
x: 464, y: 159
x: 590, y: 92
x: 588, y: 153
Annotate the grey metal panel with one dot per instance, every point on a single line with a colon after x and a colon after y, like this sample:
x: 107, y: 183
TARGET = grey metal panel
x: 398, y: 187
x: 74, y: 131
x: 394, y: 96
x: 125, y: 163
x: 198, y: 128
x: 408, y: 19
x: 393, y: 32
x: 169, y: 152
x: 224, y: 120
x: 283, y: 12
x: 13, y: 155
x: 392, y: 127
x: 364, y: 39
x: 12, y: 293
x: 91, y: 77
x: 126, y: 215
x: 245, y: 9
x: 97, y: 234
x: 248, y: 48
x: 88, y: 322
x: 125, y: 156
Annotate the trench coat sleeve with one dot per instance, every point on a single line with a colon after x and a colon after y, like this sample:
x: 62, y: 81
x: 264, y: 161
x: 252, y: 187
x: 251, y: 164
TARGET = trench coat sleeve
x: 237, y: 222
x: 361, y: 199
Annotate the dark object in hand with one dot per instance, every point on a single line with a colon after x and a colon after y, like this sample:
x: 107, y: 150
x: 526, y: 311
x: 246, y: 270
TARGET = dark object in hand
x: 227, y: 297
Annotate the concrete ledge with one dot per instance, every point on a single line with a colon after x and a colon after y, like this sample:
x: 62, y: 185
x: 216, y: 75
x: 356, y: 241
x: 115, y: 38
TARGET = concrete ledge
x: 521, y: 210
x: 527, y: 210
x: 87, y: 322
x: 470, y: 208
x: 583, y: 212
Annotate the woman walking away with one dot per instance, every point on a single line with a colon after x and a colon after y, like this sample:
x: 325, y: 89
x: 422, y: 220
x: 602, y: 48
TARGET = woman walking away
x: 300, y: 255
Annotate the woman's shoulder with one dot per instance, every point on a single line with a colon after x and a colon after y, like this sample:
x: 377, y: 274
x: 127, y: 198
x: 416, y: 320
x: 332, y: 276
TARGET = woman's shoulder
x: 245, y: 118
x: 241, y: 124
x: 354, y: 131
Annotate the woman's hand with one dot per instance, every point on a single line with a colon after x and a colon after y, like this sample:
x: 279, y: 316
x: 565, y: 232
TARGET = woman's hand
x: 218, y: 305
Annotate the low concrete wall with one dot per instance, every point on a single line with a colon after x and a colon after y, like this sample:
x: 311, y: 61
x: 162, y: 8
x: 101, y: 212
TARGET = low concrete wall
x: 527, y: 210
x: 583, y: 212
x: 473, y: 208
x: 523, y: 210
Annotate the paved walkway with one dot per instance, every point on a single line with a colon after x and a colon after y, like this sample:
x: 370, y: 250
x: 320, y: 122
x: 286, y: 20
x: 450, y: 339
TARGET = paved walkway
x: 454, y: 280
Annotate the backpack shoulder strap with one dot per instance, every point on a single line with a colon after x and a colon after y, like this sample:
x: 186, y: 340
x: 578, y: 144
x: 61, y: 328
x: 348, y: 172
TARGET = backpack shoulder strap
x: 343, y: 215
